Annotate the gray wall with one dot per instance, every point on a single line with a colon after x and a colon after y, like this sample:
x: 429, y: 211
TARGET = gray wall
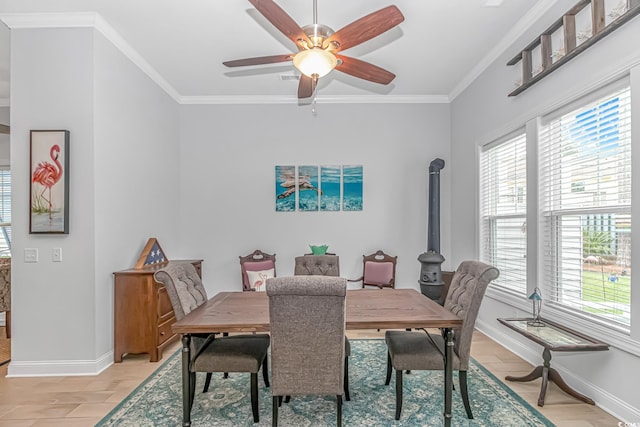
x: 228, y: 154
x: 482, y: 113
x: 123, y: 153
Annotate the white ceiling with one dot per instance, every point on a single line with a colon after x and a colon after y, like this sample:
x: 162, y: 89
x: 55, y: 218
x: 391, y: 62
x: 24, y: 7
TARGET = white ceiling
x: 435, y: 52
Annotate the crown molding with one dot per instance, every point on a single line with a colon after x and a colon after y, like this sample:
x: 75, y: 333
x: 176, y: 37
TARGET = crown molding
x: 88, y: 20
x: 518, y: 30
x: 95, y: 20
x: 329, y: 99
x: 49, y: 20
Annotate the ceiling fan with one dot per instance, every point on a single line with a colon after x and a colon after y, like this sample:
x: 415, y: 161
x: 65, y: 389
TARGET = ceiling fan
x: 318, y: 45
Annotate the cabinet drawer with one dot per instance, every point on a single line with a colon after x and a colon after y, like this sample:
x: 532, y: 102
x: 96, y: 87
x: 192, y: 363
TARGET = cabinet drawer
x: 164, y: 304
x: 164, y: 330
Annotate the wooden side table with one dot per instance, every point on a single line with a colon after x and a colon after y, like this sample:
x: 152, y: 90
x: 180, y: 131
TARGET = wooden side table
x: 553, y: 337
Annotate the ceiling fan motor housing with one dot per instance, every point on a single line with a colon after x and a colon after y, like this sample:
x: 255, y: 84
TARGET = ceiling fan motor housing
x: 317, y: 33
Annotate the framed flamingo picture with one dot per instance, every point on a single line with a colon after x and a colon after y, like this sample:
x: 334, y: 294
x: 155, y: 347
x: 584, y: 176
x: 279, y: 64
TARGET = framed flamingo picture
x: 49, y: 182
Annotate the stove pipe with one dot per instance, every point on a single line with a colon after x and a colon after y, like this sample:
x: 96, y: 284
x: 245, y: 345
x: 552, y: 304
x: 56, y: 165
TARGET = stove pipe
x: 431, y: 283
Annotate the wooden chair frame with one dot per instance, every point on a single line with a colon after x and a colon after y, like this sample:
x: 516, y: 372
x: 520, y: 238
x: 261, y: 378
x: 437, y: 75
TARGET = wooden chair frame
x: 378, y: 256
x: 255, y: 256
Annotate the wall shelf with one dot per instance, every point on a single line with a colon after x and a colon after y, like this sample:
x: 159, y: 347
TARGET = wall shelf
x: 567, y: 24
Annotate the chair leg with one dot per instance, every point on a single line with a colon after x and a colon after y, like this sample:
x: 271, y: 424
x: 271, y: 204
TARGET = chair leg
x: 346, y: 379
x: 339, y: 410
x: 287, y: 399
x: 192, y: 388
x: 388, y: 379
x: 462, y: 377
x: 254, y: 397
x: 274, y: 411
x: 398, y: 393
x: 207, y: 383
x: 265, y: 372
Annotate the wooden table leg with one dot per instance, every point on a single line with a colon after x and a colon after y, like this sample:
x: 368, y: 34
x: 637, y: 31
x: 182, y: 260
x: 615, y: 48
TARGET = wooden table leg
x: 547, y: 373
x: 448, y: 375
x: 556, y: 378
x: 186, y: 380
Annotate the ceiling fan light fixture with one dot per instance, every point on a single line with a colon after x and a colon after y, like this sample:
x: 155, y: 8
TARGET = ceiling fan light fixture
x: 315, y: 62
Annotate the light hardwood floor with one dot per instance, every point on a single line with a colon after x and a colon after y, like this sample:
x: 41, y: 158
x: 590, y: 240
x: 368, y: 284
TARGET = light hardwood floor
x: 83, y: 401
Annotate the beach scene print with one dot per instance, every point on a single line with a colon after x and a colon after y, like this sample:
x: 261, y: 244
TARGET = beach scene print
x: 308, y: 190
x: 285, y: 188
x: 352, y: 188
x: 330, y: 186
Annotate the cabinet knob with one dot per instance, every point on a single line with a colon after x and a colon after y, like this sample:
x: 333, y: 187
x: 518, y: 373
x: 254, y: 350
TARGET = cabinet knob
x: 162, y: 333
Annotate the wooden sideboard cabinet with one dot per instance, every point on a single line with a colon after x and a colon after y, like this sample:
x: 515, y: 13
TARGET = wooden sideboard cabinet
x: 143, y: 313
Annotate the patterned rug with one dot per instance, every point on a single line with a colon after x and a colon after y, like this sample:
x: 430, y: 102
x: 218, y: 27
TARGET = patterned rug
x: 158, y: 401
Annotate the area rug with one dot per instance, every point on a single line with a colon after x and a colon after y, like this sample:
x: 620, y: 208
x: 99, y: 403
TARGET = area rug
x: 5, y: 351
x: 158, y: 401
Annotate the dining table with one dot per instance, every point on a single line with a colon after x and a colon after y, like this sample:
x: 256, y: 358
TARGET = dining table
x: 246, y: 312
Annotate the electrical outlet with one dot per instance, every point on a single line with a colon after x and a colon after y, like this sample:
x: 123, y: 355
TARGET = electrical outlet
x: 56, y: 255
x: 30, y: 254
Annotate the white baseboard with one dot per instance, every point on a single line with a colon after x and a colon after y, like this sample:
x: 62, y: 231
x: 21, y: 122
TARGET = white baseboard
x: 60, y: 368
x: 533, y: 354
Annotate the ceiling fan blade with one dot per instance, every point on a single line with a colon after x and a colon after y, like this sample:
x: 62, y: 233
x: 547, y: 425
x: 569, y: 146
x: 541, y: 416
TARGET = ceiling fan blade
x: 365, y: 28
x: 306, y: 87
x: 364, y: 70
x: 259, y: 60
x: 283, y: 22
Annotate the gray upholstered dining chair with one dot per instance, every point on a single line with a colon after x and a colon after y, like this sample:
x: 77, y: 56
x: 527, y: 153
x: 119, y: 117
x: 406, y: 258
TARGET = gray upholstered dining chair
x: 307, y: 316
x: 421, y: 350
x: 317, y: 265
x: 236, y: 353
x: 325, y: 265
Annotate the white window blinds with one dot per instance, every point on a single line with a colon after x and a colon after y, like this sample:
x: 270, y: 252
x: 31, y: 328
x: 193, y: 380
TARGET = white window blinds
x: 503, y: 205
x: 5, y: 212
x: 585, y: 202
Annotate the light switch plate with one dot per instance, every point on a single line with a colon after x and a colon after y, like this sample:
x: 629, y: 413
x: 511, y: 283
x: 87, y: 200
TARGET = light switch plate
x: 30, y: 254
x: 56, y: 255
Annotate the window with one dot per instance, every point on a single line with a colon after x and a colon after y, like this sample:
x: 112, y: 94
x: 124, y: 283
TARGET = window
x: 585, y: 201
x: 5, y: 212
x: 503, y: 206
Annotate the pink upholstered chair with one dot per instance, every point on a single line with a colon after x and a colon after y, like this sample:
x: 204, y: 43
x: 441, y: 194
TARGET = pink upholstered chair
x: 378, y: 269
x: 255, y: 269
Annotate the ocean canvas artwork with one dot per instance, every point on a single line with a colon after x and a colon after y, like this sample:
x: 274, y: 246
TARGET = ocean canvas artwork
x: 285, y: 188
x: 308, y: 191
x: 352, y: 187
x: 330, y: 188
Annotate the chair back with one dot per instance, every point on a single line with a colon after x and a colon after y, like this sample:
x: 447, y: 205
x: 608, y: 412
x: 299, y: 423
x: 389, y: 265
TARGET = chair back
x: 379, y: 269
x: 183, y: 285
x: 317, y: 265
x: 307, y: 315
x: 466, y: 291
x: 260, y: 264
